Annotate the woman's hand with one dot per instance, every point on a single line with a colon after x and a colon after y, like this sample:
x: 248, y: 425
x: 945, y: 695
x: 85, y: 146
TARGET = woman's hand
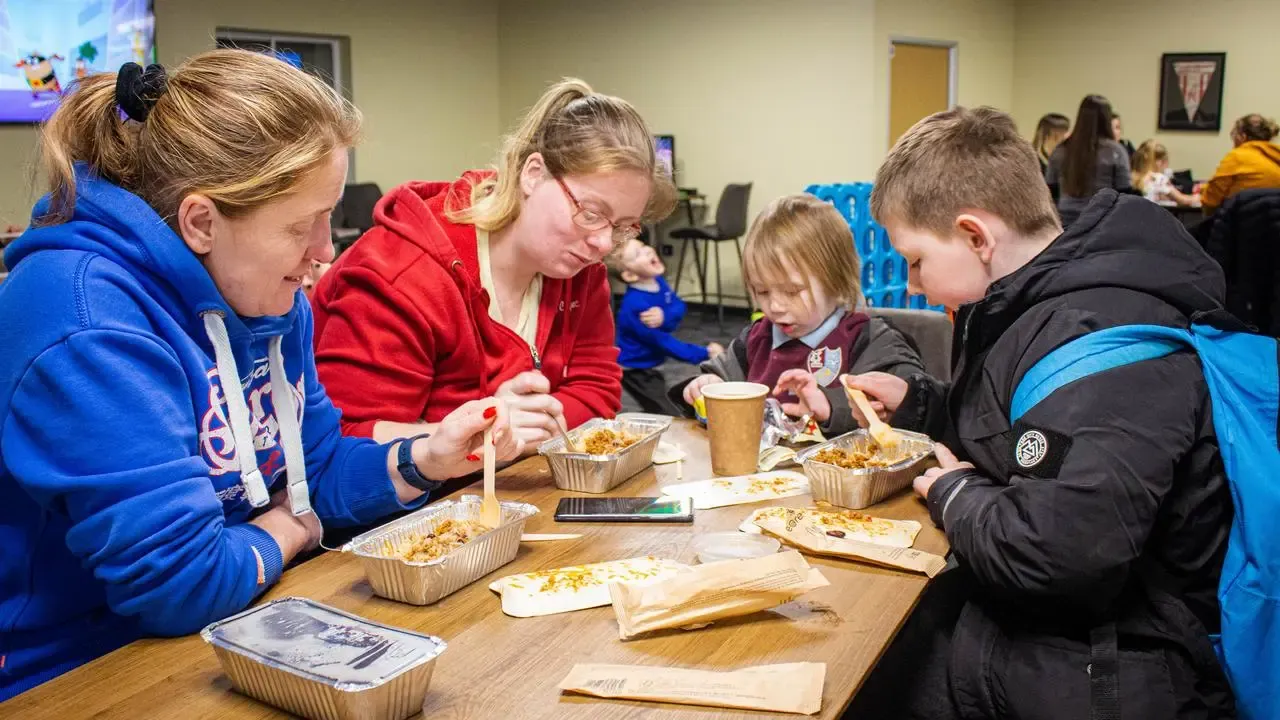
x: 885, y: 392
x: 693, y: 390
x: 533, y: 410
x: 947, y: 462
x: 804, y: 386
x: 457, y: 446
x: 292, y: 533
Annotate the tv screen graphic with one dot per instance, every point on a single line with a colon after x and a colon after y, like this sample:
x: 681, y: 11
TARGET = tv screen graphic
x: 47, y: 45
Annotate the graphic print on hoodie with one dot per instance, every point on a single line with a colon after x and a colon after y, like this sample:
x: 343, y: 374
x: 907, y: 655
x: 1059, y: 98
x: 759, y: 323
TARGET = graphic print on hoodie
x: 122, y: 507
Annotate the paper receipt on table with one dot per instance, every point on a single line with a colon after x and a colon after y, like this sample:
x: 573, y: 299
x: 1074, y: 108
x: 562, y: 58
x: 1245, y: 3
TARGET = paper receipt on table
x: 699, y: 595
x: 847, y: 523
x: 740, y: 490
x: 788, y: 687
x: 577, y: 587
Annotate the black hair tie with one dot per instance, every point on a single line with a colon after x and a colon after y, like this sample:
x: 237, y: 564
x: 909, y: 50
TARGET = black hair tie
x: 137, y: 90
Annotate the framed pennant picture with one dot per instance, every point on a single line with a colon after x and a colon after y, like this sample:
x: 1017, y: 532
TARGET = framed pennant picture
x: 1191, y: 91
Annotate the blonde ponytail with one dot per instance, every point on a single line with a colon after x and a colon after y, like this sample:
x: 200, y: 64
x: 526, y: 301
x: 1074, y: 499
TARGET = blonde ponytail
x: 239, y: 127
x: 578, y: 132
x: 86, y: 128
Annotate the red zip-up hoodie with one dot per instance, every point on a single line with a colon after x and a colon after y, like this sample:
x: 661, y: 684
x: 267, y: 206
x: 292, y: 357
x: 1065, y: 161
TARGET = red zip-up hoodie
x: 403, y: 332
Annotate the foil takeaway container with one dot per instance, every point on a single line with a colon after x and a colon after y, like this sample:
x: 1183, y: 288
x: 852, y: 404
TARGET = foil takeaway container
x: 859, y: 488
x: 423, y: 583
x: 581, y: 472
x: 322, y: 663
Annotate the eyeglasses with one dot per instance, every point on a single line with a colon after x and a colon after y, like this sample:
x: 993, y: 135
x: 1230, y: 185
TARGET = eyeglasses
x: 589, y: 219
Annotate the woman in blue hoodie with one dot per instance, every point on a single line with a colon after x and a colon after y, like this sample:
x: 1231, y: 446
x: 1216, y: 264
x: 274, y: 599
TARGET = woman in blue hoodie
x: 184, y: 212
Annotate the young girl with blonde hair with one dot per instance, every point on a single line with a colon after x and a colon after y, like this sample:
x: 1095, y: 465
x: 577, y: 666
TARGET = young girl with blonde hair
x: 801, y: 268
x: 1149, y: 174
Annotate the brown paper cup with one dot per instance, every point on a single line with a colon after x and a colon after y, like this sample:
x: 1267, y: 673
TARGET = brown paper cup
x: 735, y: 415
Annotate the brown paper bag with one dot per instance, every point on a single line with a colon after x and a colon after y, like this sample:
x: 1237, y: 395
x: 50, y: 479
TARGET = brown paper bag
x: 789, y: 687
x: 799, y: 529
x: 714, y: 591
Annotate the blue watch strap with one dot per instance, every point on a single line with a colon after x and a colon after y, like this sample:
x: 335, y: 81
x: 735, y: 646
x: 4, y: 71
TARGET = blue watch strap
x: 409, y: 469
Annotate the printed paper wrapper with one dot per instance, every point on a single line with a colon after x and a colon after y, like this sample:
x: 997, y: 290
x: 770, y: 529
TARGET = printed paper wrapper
x: 698, y: 596
x: 788, y: 688
x: 855, y: 525
x: 796, y: 528
x: 741, y: 489
x: 577, y: 587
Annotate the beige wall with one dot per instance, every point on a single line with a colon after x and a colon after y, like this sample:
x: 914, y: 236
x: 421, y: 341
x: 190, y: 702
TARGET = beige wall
x: 772, y: 92
x: 425, y: 75
x: 1067, y: 49
x: 983, y: 31
x: 782, y: 93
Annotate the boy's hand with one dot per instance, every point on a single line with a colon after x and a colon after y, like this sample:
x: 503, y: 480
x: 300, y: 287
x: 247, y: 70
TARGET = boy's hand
x: 947, y: 462
x: 804, y: 386
x: 693, y: 390
x: 885, y: 392
x: 653, y: 317
x: 715, y: 350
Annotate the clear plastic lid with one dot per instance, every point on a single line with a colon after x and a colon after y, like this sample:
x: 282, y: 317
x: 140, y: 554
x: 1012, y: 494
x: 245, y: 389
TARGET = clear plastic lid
x: 323, y: 644
x: 713, y: 547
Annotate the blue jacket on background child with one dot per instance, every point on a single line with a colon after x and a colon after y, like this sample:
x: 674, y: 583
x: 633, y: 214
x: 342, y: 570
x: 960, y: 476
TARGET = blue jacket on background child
x: 649, y: 313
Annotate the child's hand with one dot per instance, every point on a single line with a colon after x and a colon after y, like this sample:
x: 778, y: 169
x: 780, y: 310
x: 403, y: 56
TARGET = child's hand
x: 947, y: 462
x: 885, y: 392
x: 693, y: 390
x: 715, y: 349
x: 653, y: 317
x: 813, y: 401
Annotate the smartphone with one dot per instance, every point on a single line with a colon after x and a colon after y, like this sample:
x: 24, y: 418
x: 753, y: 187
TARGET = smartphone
x: 625, y: 509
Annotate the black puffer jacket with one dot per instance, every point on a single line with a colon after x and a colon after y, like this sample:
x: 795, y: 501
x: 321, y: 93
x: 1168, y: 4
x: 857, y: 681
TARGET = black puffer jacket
x: 1244, y: 237
x: 1115, y: 514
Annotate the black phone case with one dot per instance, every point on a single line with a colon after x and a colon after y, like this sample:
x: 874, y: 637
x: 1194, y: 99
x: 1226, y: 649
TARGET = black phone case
x: 573, y: 509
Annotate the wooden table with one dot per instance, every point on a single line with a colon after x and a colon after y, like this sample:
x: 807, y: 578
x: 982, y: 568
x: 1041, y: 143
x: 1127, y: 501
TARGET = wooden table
x: 508, y: 668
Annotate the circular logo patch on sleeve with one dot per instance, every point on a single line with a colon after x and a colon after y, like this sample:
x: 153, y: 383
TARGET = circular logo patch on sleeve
x: 1032, y: 448
x: 1039, y: 452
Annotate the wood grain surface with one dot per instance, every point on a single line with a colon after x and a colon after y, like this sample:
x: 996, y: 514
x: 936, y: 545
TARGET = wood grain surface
x: 508, y: 668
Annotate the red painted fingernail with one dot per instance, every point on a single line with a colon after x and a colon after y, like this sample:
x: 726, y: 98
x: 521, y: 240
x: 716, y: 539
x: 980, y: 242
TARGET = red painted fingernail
x: 473, y: 458
x: 489, y: 412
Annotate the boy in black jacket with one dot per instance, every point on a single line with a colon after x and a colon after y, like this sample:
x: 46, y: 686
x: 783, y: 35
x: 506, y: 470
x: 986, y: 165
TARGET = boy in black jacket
x: 1090, y: 534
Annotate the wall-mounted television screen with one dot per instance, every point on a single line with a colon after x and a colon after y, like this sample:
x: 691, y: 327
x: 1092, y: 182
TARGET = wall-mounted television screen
x: 46, y: 45
x: 665, y: 148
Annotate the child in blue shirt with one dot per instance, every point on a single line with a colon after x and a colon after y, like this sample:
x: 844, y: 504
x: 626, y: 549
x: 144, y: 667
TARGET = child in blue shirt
x: 649, y: 313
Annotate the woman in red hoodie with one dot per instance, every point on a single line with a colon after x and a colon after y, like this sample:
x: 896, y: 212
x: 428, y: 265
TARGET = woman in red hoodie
x: 493, y: 284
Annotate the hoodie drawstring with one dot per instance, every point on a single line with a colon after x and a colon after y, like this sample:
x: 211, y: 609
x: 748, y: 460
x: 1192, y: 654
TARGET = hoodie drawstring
x: 241, y: 430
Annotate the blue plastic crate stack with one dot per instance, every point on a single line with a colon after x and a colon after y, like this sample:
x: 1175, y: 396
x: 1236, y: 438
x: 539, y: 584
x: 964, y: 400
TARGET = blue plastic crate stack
x: 884, y: 271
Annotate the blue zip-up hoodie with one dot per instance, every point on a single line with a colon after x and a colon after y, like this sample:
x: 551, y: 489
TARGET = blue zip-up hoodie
x: 641, y: 347
x: 122, y: 511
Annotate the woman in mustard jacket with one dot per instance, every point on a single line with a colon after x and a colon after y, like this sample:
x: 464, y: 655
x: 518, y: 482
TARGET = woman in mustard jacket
x: 1253, y: 163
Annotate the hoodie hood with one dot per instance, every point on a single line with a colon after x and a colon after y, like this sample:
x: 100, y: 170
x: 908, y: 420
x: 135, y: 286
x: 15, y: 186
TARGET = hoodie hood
x: 1121, y: 242
x: 1266, y: 150
x: 418, y: 212
x: 118, y: 225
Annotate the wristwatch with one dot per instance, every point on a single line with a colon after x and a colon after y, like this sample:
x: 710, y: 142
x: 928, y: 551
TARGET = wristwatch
x: 409, y: 469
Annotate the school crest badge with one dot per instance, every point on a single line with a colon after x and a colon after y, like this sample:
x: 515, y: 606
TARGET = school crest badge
x: 825, y: 364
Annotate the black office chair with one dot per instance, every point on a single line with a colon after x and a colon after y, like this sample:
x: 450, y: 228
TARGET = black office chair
x: 731, y: 224
x: 354, y: 215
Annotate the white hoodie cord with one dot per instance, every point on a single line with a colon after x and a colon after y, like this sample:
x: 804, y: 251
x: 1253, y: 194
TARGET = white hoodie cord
x: 241, y: 429
x: 295, y: 462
